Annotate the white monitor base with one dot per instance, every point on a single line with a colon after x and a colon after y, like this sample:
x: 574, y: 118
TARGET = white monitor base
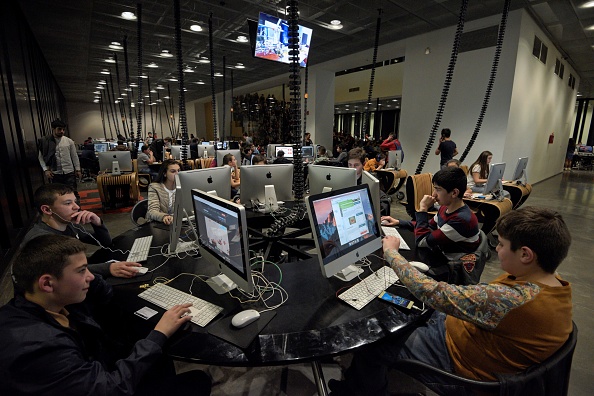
x: 349, y: 273
x: 221, y: 284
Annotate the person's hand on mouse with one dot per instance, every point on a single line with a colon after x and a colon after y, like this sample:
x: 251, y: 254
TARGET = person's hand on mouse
x: 390, y: 242
x: 172, y: 319
x: 124, y: 269
x: 427, y: 202
x: 389, y: 221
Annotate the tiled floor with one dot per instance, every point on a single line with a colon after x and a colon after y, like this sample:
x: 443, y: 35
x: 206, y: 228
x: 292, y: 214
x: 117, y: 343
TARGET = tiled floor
x: 570, y: 193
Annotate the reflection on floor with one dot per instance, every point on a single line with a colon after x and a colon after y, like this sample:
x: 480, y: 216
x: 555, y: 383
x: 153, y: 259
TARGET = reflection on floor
x: 570, y: 193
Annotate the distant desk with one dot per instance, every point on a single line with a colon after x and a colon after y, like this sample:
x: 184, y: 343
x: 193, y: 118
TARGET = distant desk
x: 582, y: 160
x: 312, y: 324
x: 518, y: 193
x: 119, y: 190
x: 488, y: 211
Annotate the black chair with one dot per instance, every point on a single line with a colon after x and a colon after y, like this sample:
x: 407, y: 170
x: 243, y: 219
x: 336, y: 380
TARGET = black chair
x: 466, y: 268
x: 549, y: 378
x: 138, y: 213
x: 89, y: 167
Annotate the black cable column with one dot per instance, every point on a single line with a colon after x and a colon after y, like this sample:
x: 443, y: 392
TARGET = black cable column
x: 375, y: 47
x: 182, y: 93
x: 139, y: 42
x: 212, y: 80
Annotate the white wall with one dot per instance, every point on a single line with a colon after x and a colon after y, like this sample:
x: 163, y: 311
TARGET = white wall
x: 84, y: 120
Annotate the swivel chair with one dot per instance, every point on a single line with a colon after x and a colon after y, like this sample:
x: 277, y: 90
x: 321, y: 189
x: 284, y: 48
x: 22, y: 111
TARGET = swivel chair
x: 549, y: 378
x: 138, y: 213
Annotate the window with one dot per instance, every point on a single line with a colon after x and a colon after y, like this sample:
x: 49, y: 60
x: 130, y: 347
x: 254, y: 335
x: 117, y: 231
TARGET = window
x: 571, y: 81
x: 559, y: 68
x: 539, y: 50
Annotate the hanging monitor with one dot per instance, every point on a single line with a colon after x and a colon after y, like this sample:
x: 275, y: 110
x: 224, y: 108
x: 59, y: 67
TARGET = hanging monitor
x: 272, y: 40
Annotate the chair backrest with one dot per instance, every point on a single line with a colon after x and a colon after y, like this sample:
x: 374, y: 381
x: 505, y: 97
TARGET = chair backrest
x: 138, y: 213
x: 467, y: 268
x: 465, y: 169
x: 416, y: 187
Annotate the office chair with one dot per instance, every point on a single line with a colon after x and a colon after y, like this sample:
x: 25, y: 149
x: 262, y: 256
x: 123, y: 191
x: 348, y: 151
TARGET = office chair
x: 549, y: 378
x: 138, y: 213
x: 88, y: 168
x: 466, y: 268
x: 417, y: 186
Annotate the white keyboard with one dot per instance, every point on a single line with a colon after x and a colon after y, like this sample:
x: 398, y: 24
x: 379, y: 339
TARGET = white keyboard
x: 140, y: 249
x: 391, y: 231
x: 166, y: 297
x: 369, y: 288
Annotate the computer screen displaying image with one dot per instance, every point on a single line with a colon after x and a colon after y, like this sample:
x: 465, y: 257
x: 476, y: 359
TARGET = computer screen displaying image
x: 308, y: 152
x: 333, y: 177
x: 344, y: 227
x: 288, y: 150
x: 101, y: 147
x: 254, y: 178
x: 222, y: 232
x: 107, y: 158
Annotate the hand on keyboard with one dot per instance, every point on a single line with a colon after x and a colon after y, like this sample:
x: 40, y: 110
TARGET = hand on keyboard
x: 124, y: 269
x: 173, y: 319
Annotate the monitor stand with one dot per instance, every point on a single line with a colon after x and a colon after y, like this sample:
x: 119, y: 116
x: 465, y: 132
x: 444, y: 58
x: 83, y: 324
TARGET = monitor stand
x: 349, y: 273
x: 271, y: 204
x: 326, y: 189
x: 115, y: 168
x: 221, y: 284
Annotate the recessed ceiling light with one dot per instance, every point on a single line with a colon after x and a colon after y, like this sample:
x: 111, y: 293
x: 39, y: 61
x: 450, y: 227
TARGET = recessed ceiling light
x: 335, y: 24
x: 102, y: 82
x: 166, y: 97
x: 196, y: 28
x: 172, y: 79
x: 117, y: 101
x: 100, y: 87
x: 160, y: 87
x: 110, y: 60
x: 146, y: 96
x: 128, y: 15
x: 218, y: 74
x: 203, y: 59
x: 588, y: 4
x: 166, y: 54
x: 115, y: 45
x: 97, y: 93
x: 152, y: 65
x: 242, y: 39
x: 96, y: 101
x: 200, y: 82
x: 133, y: 85
x: 144, y: 76
x: 188, y: 69
x: 153, y: 91
x: 240, y: 66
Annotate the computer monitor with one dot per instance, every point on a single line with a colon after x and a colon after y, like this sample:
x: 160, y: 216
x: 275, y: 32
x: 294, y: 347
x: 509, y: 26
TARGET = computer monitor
x: 222, y: 145
x: 271, y: 150
x: 333, y: 177
x: 394, y: 159
x: 308, y: 152
x: 288, y: 150
x: 208, y: 179
x: 223, y: 239
x: 493, y: 184
x: 140, y: 144
x: 520, y: 171
x: 205, y: 144
x: 113, y: 145
x: 233, y: 145
x: 374, y: 188
x: 344, y: 229
x: 221, y: 154
x: 208, y: 148
x: 107, y: 158
x: 176, y: 152
x: 176, y: 245
x: 101, y: 147
x: 254, y: 178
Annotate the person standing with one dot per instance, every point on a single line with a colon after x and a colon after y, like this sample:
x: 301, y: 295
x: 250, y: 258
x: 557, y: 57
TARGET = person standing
x: 447, y: 148
x: 392, y: 144
x: 58, y: 157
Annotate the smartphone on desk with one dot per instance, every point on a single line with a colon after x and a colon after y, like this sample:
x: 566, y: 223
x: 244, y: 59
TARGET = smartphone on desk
x: 397, y: 300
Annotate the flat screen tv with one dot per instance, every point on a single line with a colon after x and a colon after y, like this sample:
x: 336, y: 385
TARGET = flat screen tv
x: 272, y: 40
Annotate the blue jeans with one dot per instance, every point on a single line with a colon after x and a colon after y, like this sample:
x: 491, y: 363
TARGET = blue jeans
x: 368, y: 372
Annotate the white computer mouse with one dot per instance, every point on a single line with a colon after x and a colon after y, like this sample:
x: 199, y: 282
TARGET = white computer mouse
x: 384, y: 222
x: 420, y: 266
x: 244, y: 318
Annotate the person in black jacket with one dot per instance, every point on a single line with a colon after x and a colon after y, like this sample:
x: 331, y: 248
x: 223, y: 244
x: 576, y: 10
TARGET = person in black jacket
x: 52, y: 345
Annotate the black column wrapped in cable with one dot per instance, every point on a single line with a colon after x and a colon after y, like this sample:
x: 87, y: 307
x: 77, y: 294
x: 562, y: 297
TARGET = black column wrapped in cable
x: 375, y: 47
x: 139, y: 42
x: 120, y: 97
x: 494, y: 67
x: 212, y: 80
x: 295, y: 122
x: 224, y: 98
x: 180, y: 78
x: 446, y: 86
x: 129, y: 92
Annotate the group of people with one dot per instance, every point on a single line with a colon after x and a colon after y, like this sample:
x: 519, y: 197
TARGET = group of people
x: 517, y: 320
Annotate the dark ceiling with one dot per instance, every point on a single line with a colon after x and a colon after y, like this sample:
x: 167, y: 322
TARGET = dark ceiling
x: 74, y: 36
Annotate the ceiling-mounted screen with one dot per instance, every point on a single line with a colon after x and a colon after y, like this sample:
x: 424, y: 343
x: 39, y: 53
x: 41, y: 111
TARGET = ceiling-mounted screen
x: 272, y: 40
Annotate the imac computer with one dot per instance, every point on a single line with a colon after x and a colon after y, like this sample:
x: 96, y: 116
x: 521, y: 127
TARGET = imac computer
x: 108, y: 159
x: 209, y: 179
x: 233, y: 145
x: 207, y: 150
x: 374, y: 189
x: 330, y: 177
x: 344, y: 229
x: 520, y: 171
x: 255, y: 178
x: 223, y: 241
x: 176, y: 152
x: 308, y: 152
x: 205, y: 143
x: 271, y: 150
x: 221, y: 154
x: 494, y: 185
x: 101, y: 147
x: 394, y: 159
x: 177, y: 245
x: 288, y: 150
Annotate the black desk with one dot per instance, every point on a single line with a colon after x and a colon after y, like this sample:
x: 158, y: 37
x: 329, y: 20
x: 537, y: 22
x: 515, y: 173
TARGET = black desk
x: 312, y: 324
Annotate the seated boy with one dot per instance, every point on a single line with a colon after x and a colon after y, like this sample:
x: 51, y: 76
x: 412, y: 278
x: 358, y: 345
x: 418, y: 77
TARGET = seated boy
x: 52, y: 345
x: 506, y: 326
x: 454, y: 228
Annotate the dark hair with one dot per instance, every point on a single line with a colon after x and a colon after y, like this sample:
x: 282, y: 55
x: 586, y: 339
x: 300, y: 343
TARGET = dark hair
x: 163, y: 169
x: 45, y: 254
x: 540, y: 229
x: 145, y: 147
x: 454, y: 161
x: 450, y: 178
x: 258, y: 158
x: 446, y: 132
x: 168, y: 139
x: 358, y: 154
x: 48, y: 193
x: 280, y: 154
x: 227, y: 158
x: 321, y: 149
x: 482, y: 162
x: 58, y: 123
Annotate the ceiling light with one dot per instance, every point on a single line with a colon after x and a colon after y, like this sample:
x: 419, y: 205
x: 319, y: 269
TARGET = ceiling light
x: 188, y: 69
x: 117, y: 101
x: 146, y: 96
x: 110, y: 60
x: 97, y: 93
x: 124, y: 94
x: 104, y: 71
x: 160, y: 87
x: 115, y: 45
x: 242, y: 39
x: 152, y: 65
x: 132, y: 104
x: 102, y: 82
x: 427, y: 51
x: 128, y: 15
x: 166, y: 97
x: 166, y: 54
x: 172, y: 79
x: 153, y: 91
x: 588, y: 4
x: 133, y: 85
x: 144, y: 76
x: 203, y: 59
x: 335, y: 24
x: 196, y: 28
x: 200, y: 82
x: 240, y: 66
x: 218, y: 74
x: 96, y: 101
x: 100, y: 87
